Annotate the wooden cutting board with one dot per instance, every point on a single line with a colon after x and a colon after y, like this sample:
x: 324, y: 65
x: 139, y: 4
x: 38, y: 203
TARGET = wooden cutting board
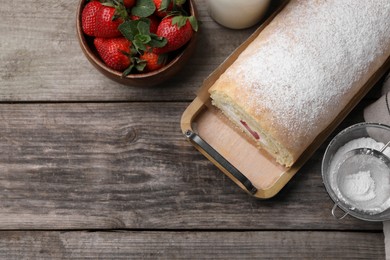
x: 232, y: 151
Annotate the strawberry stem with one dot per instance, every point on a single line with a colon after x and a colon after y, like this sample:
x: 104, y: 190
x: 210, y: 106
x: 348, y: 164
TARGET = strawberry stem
x: 181, y: 20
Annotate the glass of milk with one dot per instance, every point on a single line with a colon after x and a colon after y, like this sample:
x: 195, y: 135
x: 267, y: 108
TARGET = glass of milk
x: 237, y: 14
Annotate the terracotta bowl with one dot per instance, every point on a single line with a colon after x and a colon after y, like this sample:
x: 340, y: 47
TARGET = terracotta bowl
x: 137, y: 79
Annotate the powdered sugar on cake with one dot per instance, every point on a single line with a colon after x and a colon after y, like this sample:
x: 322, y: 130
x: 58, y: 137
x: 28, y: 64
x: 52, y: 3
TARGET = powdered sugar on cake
x: 303, y: 67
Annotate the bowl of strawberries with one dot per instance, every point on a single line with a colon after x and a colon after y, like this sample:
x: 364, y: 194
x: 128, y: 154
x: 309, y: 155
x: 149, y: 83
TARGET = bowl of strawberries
x: 137, y: 42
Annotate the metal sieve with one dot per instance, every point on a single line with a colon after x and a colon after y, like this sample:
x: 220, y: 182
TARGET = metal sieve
x: 347, y: 161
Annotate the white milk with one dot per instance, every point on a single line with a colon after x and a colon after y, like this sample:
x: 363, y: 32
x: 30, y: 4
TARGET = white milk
x: 236, y: 14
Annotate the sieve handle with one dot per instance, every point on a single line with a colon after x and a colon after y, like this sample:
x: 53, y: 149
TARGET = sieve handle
x: 384, y: 147
x: 334, y: 212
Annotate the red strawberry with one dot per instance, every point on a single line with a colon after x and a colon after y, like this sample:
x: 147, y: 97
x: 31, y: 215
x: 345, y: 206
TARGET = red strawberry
x: 112, y: 50
x: 88, y: 17
x: 152, y: 61
x: 162, y: 13
x: 154, y: 22
x: 175, y: 35
x: 106, y: 27
x: 129, y: 3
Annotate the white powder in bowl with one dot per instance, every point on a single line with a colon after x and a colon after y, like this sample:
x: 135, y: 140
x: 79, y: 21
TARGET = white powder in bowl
x: 362, y: 181
x: 358, y: 186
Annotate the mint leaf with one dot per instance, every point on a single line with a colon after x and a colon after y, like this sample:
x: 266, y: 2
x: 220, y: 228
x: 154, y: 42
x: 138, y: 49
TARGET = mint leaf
x: 139, y: 44
x: 143, y: 27
x: 128, y: 70
x: 157, y: 41
x: 141, y: 40
x: 139, y: 64
x: 138, y: 32
x: 145, y: 39
x: 129, y: 29
x: 143, y: 8
x: 133, y: 50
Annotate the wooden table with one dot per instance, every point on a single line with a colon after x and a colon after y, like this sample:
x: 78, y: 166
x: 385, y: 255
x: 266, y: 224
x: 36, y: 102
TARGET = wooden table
x: 91, y: 168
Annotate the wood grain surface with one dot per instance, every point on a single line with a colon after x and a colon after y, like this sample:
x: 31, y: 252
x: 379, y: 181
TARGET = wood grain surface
x: 90, y: 168
x: 190, y: 245
x: 127, y: 165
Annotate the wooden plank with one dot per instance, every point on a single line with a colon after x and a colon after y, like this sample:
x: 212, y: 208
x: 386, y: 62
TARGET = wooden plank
x: 41, y: 58
x: 191, y: 245
x: 127, y: 165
